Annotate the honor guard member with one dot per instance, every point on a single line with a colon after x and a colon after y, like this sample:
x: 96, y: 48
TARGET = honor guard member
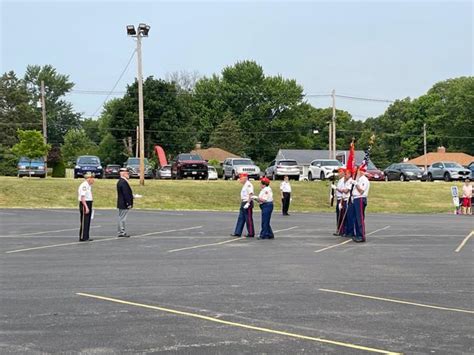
x: 265, y: 199
x: 124, y: 201
x: 85, y: 206
x: 246, y: 208
x: 339, y: 187
x: 285, y: 189
x: 359, y: 195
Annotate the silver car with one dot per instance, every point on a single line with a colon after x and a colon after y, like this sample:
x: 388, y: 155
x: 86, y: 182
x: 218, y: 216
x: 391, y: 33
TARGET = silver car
x: 323, y: 168
x: 164, y: 172
x: 233, y: 167
x: 279, y: 168
x: 447, y: 171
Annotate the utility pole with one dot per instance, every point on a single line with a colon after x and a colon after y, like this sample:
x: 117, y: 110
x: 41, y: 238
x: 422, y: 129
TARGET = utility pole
x: 142, y: 31
x: 330, y: 139
x: 137, y: 142
x: 333, y: 124
x: 424, y: 146
x: 141, y: 120
x: 45, y: 128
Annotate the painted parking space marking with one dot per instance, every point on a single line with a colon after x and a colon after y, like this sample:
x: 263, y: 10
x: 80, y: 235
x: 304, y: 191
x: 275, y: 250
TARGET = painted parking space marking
x: 458, y: 249
x: 206, y: 245
x: 46, y: 232
x: 284, y: 230
x: 349, y: 240
x: 240, y: 325
x: 100, y: 240
x: 398, y: 301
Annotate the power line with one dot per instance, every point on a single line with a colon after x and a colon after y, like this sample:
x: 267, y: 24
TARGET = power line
x: 116, y: 83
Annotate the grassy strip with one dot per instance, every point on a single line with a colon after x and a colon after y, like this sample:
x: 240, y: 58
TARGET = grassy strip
x: 393, y: 197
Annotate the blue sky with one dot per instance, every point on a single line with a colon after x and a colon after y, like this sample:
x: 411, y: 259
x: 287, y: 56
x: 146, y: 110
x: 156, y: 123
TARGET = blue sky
x: 377, y: 49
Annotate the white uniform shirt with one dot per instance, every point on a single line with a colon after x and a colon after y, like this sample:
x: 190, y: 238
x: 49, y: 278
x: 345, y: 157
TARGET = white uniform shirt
x: 285, y: 186
x: 266, y: 195
x: 247, y: 189
x: 84, y: 190
x: 364, y: 184
x: 340, y: 186
x: 348, y: 186
x: 467, y: 190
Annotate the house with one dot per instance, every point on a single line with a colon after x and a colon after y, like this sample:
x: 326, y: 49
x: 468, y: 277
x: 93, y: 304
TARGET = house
x: 441, y: 155
x: 304, y: 157
x: 213, y: 153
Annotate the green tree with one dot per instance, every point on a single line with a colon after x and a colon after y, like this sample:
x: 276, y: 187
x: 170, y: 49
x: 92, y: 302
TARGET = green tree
x: 31, y: 144
x: 76, y: 143
x: 92, y: 129
x: 228, y: 136
x: 59, y: 113
x: 110, y: 151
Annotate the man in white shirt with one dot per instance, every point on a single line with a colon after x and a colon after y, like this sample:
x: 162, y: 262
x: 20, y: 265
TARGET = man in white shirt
x: 265, y: 198
x: 285, y: 189
x: 467, y: 197
x: 85, y: 206
x: 343, y: 189
x: 246, y: 208
x: 359, y: 202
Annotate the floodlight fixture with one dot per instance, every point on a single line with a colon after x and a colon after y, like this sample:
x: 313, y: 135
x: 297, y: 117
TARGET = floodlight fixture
x: 131, y: 30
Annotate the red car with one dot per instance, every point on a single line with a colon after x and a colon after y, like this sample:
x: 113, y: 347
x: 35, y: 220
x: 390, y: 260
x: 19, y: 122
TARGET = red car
x: 375, y: 174
x: 189, y: 165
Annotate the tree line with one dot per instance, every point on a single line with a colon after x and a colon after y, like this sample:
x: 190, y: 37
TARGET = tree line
x: 241, y: 110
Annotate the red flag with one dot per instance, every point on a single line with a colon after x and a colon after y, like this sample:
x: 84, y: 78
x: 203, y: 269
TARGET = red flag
x: 350, y: 166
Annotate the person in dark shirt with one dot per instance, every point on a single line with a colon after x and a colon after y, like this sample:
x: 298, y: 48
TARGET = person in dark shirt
x: 124, y: 201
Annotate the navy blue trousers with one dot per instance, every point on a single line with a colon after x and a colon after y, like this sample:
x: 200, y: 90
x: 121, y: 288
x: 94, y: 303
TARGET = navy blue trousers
x: 359, y: 217
x: 267, y: 209
x: 245, y: 218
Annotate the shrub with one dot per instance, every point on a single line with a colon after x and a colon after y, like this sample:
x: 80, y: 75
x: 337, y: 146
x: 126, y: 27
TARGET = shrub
x: 59, y: 169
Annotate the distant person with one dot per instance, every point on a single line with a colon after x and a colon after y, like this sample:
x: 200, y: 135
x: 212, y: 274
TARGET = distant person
x: 359, y: 202
x: 85, y: 206
x: 343, y: 190
x: 265, y: 199
x: 338, y: 187
x: 246, y: 208
x: 285, y: 189
x: 467, y: 197
x: 124, y: 201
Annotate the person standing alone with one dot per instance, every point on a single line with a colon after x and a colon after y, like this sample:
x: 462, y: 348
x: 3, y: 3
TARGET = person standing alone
x: 124, y: 201
x: 85, y: 206
x: 285, y: 189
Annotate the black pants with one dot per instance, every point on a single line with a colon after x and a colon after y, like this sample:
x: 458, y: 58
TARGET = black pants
x: 285, y: 202
x: 85, y: 221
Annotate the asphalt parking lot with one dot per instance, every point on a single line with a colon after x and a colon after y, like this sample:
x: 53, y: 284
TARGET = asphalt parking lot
x: 182, y: 285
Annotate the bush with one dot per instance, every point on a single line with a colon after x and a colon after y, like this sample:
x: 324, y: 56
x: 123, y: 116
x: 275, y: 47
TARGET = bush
x: 59, y: 169
x: 215, y: 163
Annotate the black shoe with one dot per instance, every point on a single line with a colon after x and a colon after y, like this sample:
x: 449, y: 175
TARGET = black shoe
x: 357, y: 240
x: 336, y: 234
x: 235, y: 235
x: 123, y: 236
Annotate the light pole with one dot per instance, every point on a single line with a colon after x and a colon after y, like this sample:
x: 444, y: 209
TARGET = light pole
x: 142, y: 31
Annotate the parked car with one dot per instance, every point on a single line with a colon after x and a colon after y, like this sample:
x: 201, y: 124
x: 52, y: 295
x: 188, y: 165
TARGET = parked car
x: 403, y: 172
x: 233, y: 167
x: 164, y: 172
x: 471, y: 168
x: 133, y: 166
x: 279, y: 168
x: 323, y: 168
x: 447, y: 171
x: 31, y: 167
x: 88, y: 163
x: 112, y: 171
x: 211, y: 173
x: 374, y: 174
x: 189, y: 165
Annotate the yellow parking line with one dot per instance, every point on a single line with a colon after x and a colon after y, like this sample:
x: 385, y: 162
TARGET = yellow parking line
x: 458, y: 249
x: 205, y: 245
x: 240, y: 325
x: 397, y: 301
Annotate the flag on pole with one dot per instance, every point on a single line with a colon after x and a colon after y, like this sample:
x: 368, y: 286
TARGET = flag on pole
x: 350, y: 166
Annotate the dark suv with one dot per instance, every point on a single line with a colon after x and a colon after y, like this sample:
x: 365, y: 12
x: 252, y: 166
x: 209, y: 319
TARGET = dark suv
x: 189, y: 165
x: 88, y: 163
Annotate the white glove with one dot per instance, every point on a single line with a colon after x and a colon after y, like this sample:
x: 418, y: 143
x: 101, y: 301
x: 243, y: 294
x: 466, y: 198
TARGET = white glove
x: 333, y: 186
x: 247, y: 205
x: 137, y: 196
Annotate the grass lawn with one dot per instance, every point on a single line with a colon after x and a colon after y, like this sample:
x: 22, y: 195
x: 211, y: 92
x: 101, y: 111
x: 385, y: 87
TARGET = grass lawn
x: 392, y: 197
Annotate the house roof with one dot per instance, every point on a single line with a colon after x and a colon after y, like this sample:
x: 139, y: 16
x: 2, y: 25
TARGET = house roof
x: 306, y: 156
x: 214, y: 153
x: 461, y: 158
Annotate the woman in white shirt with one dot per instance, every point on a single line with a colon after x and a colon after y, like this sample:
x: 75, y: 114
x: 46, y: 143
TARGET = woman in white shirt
x: 265, y: 199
